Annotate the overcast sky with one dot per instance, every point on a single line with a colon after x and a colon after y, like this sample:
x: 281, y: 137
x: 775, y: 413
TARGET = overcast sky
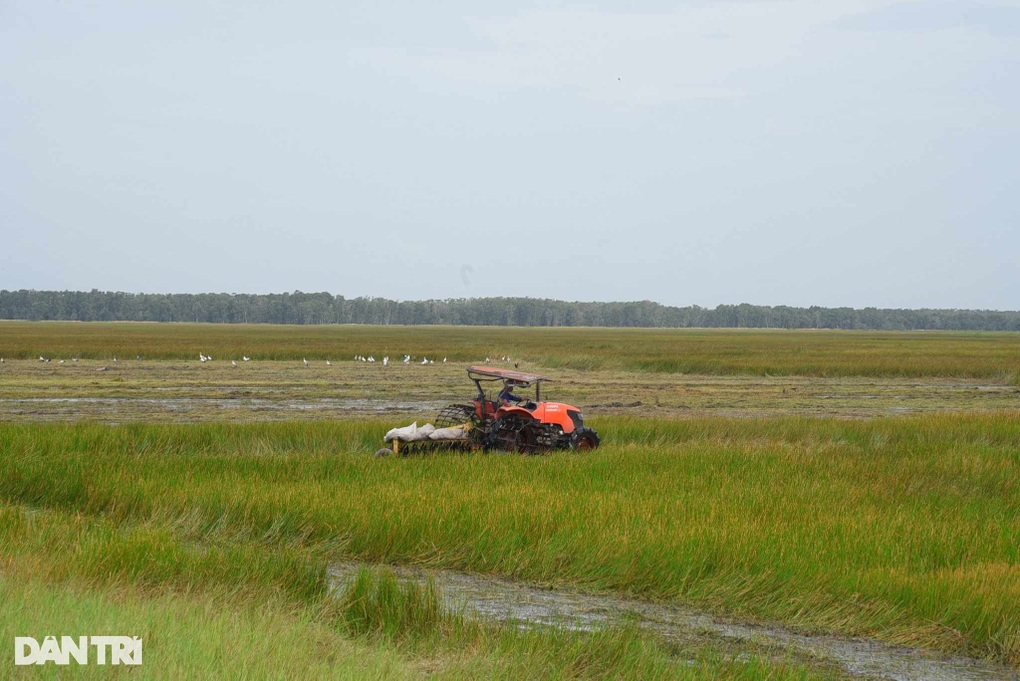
x: 839, y: 153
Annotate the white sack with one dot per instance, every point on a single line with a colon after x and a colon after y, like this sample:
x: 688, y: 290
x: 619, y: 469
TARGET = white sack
x: 402, y: 433
x: 451, y: 433
x: 424, y: 432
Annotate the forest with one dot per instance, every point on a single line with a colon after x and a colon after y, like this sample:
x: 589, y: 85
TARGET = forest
x: 327, y: 308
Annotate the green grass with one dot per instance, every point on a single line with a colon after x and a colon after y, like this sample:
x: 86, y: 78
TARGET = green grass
x: 718, y: 352
x: 906, y: 529
x: 259, y: 626
x: 198, y: 537
x: 207, y: 634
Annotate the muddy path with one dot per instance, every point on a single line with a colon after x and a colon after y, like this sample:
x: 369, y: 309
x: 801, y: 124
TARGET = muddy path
x: 501, y: 600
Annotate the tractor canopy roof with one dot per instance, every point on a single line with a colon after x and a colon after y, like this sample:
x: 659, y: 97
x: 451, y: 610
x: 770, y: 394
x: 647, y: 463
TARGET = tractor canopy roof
x: 517, y: 377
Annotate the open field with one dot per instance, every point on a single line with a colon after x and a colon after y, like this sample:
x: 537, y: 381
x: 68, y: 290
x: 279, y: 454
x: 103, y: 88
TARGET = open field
x: 903, y: 530
x: 856, y: 499
x: 191, y: 391
x: 980, y: 355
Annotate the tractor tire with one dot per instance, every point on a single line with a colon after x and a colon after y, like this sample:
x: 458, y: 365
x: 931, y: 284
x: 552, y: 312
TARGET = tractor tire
x: 454, y: 415
x: 513, y: 434
x: 584, y: 439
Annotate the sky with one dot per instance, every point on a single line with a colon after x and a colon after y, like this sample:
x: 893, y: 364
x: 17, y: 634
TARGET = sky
x: 842, y: 153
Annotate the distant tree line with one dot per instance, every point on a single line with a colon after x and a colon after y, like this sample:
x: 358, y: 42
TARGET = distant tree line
x: 326, y: 308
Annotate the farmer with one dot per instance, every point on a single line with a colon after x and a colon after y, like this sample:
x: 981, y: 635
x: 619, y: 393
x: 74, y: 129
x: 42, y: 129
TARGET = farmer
x: 507, y: 394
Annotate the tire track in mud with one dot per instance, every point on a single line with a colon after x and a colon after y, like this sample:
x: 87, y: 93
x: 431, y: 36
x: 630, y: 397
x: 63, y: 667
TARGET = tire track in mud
x: 503, y: 600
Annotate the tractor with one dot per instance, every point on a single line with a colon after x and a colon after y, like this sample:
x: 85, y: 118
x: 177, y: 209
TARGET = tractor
x: 503, y: 420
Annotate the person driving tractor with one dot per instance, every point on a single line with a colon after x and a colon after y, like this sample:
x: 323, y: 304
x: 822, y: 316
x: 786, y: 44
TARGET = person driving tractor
x: 507, y: 394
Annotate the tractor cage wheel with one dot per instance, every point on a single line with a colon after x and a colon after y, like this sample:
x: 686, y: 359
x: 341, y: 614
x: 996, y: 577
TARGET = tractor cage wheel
x: 514, y: 434
x: 454, y: 415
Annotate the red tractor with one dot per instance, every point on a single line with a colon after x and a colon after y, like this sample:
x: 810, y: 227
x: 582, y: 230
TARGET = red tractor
x: 510, y: 422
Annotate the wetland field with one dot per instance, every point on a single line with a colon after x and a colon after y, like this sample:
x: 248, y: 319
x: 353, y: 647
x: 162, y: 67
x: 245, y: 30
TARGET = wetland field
x: 765, y: 504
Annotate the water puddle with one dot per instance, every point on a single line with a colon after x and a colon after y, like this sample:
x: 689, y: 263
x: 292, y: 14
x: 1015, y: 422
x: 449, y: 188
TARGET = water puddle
x: 508, y: 601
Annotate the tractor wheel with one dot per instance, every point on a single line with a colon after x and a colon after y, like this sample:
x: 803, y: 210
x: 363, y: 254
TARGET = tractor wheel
x: 584, y: 439
x: 513, y: 434
x: 454, y: 415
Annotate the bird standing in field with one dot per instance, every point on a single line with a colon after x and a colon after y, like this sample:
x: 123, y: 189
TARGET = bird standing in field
x: 305, y: 361
x: 385, y: 360
x: 245, y: 359
x: 233, y: 363
x: 328, y: 363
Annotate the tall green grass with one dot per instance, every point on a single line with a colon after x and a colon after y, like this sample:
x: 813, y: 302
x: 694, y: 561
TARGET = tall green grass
x: 692, y: 351
x: 906, y: 529
x: 185, y: 635
x: 258, y: 627
x: 376, y: 603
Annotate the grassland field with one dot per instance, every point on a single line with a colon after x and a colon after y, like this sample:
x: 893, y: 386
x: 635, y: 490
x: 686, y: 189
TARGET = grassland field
x: 860, y: 484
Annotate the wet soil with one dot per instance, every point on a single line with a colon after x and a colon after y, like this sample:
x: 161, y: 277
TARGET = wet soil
x: 501, y: 600
x: 174, y: 391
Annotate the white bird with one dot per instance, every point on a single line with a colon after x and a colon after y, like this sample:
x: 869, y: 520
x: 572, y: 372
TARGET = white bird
x: 407, y: 359
x: 202, y: 358
x: 487, y: 360
x: 60, y: 362
x: 424, y: 360
x: 233, y: 363
x: 2, y: 360
x: 245, y: 359
x: 41, y: 358
x: 371, y: 359
x: 444, y: 360
x: 385, y: 360
x: 75, y: 360
x: 115, y: 359
x: 305, y: 361
x: 328, y: 363
x: 432, y: 361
